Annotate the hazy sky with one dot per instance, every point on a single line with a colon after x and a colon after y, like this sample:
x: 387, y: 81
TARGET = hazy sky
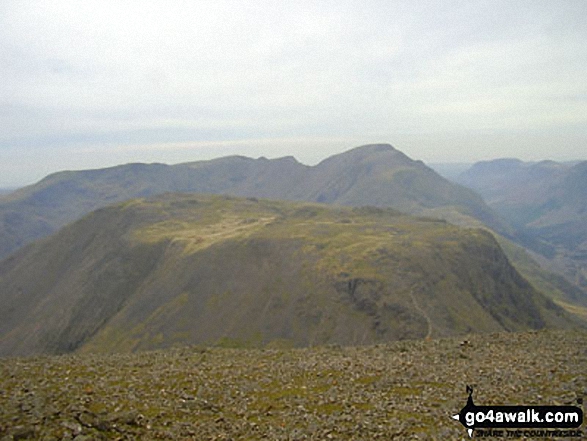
x: 87, y: 84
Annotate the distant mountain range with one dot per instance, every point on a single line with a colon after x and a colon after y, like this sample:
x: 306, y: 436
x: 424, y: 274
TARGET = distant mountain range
x: 195, y: 269
x: 545, y: 201
x: 376, y: 175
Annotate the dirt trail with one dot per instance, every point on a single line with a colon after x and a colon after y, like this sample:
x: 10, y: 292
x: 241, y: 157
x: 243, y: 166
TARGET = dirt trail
x: 424, y: 313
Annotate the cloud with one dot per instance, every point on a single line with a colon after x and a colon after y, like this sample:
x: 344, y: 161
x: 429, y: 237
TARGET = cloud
x: 139, y: 73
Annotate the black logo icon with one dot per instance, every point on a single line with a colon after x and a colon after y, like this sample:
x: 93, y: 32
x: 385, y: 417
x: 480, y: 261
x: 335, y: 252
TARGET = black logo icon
x: 516, y: 417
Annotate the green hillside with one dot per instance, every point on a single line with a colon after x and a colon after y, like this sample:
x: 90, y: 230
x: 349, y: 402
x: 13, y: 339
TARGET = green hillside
x: 185, y: 269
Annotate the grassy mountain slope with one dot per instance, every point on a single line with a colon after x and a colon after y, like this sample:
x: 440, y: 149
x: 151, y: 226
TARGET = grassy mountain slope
x: 553, y: 284
x: 376, y: 175
x: 151, y: 273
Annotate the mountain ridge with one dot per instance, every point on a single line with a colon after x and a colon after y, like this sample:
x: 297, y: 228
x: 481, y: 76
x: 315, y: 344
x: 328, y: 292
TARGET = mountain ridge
x: 376, y: 174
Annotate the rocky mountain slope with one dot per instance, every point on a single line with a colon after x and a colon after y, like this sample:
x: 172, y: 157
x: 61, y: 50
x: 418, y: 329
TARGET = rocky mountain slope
x: 183, y: 269
x: 402, y: 390
x: 377, y: 175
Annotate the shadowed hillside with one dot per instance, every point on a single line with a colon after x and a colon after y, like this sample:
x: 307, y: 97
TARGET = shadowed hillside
x: 179, y: 269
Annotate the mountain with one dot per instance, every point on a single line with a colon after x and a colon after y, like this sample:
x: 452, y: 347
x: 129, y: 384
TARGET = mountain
x: 510, y: 184
x: 191, y: 269
x: 6, y: 190
x: 546, y: 202
x: 377, y: 175
x: 450, y: 170
x: 382, y: 176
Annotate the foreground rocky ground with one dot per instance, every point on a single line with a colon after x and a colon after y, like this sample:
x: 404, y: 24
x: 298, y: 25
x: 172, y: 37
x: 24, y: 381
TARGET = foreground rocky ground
x: 404, y: 390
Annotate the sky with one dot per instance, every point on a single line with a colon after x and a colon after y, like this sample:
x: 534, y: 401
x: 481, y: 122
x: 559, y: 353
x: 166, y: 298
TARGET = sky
x: 90, y: 84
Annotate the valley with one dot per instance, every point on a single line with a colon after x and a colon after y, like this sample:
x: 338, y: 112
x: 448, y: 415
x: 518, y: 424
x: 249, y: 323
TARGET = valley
x: 546, y: 203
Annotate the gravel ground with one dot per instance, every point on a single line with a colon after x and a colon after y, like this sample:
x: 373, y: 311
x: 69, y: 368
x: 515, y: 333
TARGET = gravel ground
x: 404, y: 390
